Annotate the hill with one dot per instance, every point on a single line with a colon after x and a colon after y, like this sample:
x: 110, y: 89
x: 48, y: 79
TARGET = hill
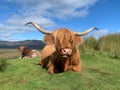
x: 100, y: 69
x: 35, y: 44
x: 99, y: 72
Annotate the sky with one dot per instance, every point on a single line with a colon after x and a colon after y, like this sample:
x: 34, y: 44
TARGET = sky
x: 76, y: 15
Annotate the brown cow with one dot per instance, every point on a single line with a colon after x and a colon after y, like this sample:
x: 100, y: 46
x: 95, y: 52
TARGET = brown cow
x: 61, y: 52
x: 27, y: 52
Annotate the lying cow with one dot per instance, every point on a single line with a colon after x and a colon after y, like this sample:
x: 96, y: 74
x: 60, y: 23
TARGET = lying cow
x: 27, y: 52
x: 61, y: 53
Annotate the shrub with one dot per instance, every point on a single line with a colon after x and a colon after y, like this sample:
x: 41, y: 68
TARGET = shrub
x: 89, y: 44
x: 109, y: 43
x: 3, y: 64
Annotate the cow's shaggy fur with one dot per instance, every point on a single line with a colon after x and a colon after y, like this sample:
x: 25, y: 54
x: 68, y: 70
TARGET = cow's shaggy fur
x: 51, y: 55
x: 27, y: 52
x: 61, y: 52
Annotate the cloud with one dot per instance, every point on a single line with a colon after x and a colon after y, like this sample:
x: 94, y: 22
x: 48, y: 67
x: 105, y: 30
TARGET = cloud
x: 42, y: 12
x: 102, y: 32
x: 58, y: 8
x: 99, y: 33
x: 118, y: 30
x: 54, y: 8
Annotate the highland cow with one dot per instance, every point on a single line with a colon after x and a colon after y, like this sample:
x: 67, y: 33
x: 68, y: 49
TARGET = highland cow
x: 27, y: 52
x: 61, y: 53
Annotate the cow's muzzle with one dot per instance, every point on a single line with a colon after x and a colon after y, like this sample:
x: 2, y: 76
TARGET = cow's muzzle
x: 66, y: 52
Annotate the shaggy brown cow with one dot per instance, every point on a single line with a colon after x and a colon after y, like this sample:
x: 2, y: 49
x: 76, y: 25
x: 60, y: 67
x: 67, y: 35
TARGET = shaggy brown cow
x: 27, y: 52
x: 61, y: 52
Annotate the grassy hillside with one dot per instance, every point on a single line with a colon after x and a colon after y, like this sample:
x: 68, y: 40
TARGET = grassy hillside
x: 34, y: 44
x: 9, y: 53
x: 109, y: 43
x: 99, y: 72
x: 100, y: 69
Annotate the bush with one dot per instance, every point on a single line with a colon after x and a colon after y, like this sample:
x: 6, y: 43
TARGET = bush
x: 3, y: 64
x: 89, y: 44
x: 109, y: 43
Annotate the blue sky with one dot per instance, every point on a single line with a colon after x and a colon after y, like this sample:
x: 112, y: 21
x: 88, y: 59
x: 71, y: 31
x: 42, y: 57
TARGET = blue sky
x: 77, y: 15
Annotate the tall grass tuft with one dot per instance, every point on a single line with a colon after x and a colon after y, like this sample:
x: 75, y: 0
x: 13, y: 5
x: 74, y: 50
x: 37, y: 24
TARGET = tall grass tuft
x: 3, y: 64
x: 89, y: 44
x: 109, y: 43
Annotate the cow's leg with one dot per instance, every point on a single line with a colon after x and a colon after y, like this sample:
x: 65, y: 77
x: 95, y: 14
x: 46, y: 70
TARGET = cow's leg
x: 77, y: 66
x: 25, y: 57
x: 20, y: 57
x: 44, y: 62
x: 76, y: 62
x: 41, y: 63
x: 67, y: 66
x: 50, y: 67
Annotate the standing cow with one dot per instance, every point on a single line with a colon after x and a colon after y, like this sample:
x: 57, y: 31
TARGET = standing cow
x: 61, y: 52
x: 27, y: 52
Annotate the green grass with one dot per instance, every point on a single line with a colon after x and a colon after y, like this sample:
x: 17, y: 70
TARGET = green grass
x: 109, y: 43
x: 99, y: 72
x: 3, y: 64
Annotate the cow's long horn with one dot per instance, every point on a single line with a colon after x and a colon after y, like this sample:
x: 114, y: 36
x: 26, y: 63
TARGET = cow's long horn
x: 39, y: 28
x: 86, y: 32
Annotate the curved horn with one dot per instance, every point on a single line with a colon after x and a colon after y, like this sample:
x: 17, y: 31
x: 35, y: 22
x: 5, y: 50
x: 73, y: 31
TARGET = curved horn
x: 86, y: 32
x: 39, y: 28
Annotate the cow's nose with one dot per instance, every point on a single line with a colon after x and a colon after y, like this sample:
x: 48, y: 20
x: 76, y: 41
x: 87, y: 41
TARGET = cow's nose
x: 66, y: 51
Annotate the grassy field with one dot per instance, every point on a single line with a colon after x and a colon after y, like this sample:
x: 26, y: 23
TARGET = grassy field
x: 99, y: 72
x: 9, y: 53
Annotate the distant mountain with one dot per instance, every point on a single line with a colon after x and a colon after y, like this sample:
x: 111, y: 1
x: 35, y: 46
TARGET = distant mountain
x: 34, y: 44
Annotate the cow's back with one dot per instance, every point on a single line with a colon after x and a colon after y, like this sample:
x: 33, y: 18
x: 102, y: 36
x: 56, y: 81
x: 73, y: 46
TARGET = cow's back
x: 35, y: 53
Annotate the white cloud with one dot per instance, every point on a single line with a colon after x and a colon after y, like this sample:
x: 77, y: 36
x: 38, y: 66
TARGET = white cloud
x: 98, y: 33
x: 54, y: 8
x: 118, y: 31
x: 102, y: 32
x: 42, y: 12
x: 58, y: 8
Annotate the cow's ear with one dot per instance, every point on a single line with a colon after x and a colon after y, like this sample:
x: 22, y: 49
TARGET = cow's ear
x: 78, y: 40
x: 48, y: 39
